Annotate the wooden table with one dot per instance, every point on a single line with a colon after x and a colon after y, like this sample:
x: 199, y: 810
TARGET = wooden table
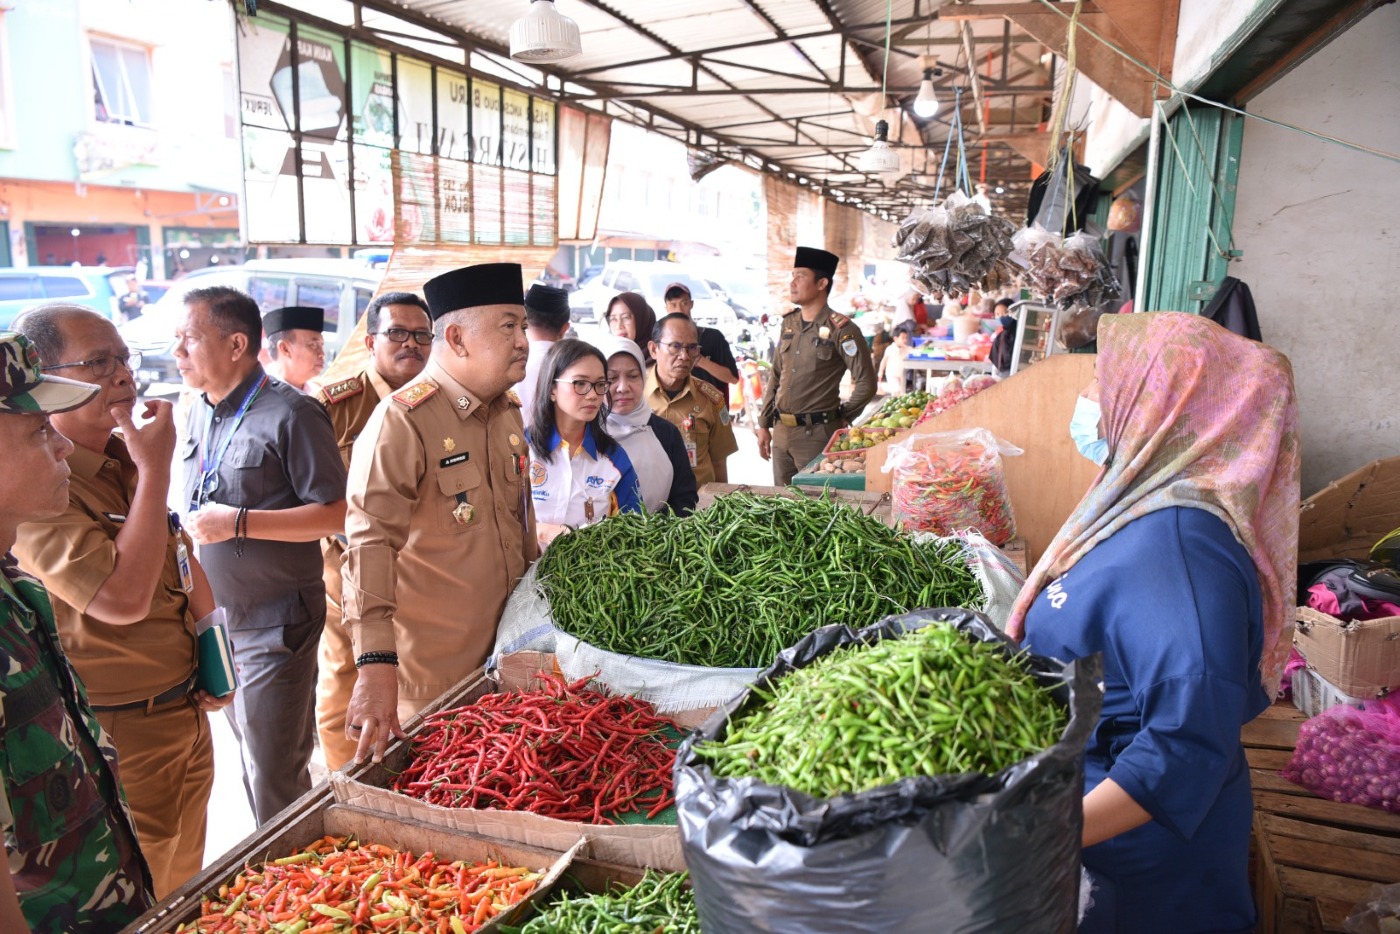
x: 1313, y: 860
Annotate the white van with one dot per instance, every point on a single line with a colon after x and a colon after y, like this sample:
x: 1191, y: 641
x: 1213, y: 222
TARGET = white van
x: 342, y: 287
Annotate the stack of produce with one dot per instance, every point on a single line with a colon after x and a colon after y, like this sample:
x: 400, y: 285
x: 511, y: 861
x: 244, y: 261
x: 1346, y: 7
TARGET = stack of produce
x: 340, y: 885
x: 955, y: 390
x: 858, y: 439
x: 563, y: 752
x: 897, y: 405
x: 954, y: 247
x: 732, y: 585
x: 660, y: 904
x: 932, y: 702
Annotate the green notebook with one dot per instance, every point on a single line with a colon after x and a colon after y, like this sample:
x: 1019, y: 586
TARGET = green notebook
x: 216, y: 674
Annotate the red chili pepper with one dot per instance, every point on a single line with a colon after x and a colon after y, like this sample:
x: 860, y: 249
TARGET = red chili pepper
x: 561, y: 751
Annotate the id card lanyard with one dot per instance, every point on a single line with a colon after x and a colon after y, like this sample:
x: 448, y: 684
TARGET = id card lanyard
x: 208, y: 471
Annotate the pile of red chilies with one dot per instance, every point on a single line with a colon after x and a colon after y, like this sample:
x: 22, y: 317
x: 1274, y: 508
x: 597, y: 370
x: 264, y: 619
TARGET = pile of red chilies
x: 562, y: 752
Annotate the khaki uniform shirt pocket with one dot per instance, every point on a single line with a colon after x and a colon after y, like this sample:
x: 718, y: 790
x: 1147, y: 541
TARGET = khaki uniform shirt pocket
x: 460, y: 492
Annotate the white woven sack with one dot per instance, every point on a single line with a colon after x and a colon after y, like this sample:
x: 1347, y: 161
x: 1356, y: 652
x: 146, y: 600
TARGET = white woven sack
x: 528, y: 625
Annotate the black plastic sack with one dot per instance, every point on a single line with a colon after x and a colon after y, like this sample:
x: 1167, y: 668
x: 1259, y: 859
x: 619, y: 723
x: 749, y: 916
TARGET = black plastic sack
x: 967, y: 852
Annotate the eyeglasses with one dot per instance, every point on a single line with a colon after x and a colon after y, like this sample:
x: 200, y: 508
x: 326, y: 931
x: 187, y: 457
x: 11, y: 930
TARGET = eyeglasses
x: 677, y: 347
x: 401, y: 336
x: 102, y: 366
x: 582, y: 386
x: 618, y: 317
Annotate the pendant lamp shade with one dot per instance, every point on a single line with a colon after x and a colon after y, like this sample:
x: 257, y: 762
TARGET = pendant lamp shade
x: 544, y: 35
x: 880, y: 159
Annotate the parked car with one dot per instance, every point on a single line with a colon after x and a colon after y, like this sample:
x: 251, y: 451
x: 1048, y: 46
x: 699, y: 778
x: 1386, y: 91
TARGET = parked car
x: 95, y: 287
x: 590, y: 302
x: 343, y: 288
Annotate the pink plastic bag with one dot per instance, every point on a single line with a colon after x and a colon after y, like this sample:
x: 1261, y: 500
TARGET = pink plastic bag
x: 1351, y: 755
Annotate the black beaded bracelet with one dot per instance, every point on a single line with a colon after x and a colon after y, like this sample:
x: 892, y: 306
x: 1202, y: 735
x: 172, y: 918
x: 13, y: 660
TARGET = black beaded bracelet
x: 377, y: 658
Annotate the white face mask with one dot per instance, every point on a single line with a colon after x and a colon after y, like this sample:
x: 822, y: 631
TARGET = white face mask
x: 1084, y: 429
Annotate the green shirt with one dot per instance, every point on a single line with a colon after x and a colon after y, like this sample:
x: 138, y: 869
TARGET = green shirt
x: 70, y: 838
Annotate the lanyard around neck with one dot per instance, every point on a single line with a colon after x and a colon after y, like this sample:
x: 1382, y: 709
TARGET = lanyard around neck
x: 206, y: 468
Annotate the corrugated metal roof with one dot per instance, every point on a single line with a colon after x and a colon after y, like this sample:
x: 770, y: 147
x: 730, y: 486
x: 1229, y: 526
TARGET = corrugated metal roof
x: 795, y: 83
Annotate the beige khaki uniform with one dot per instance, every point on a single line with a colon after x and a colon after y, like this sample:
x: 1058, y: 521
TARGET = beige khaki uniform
x: 350, y: 403
x: 439, y: 530
x: 802, y: 404
x: 166, y: 755
x: 702, y: 415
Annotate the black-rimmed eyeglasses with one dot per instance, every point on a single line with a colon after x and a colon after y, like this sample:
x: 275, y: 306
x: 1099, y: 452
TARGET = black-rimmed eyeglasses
x: 582, y: 386
x: 401, y: 336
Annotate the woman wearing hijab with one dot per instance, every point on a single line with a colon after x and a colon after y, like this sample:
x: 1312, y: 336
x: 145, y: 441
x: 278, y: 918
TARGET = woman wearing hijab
x: 655, y: 445
x: 578, y: 474
x: 1178, y: 566
x: 631, y: 318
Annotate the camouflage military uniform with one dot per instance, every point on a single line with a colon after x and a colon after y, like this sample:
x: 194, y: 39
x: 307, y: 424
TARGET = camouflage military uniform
x: 71, y: 840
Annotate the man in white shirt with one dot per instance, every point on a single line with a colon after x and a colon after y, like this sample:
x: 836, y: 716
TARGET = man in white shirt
x: 546, y: 321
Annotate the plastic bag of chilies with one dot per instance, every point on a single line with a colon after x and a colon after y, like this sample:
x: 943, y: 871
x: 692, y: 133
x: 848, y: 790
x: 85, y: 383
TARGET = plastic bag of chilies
x: 1351, y: 755
x: 967, y: 852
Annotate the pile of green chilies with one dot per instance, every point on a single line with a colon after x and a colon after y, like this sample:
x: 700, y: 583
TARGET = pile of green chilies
x: 660, y: 904
x: 732, y: 585
x: 931, y: 702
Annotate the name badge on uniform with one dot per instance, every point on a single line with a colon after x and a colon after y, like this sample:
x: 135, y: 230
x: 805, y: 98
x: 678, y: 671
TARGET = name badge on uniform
x: 455, y: 459
x: 182, y: 555
x: 182, y: 561
x: 690, y: 453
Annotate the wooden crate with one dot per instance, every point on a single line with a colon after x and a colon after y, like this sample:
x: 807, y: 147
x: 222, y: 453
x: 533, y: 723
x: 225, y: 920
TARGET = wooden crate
x: 1314, y: 860
x: 369, y: 827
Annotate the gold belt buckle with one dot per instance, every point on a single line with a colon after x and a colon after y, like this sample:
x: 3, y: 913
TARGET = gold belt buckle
x: 788, y: 420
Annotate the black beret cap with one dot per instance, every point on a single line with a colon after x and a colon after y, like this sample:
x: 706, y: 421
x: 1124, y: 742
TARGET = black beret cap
x: 299, y: 317
x: 547, y: 300
x: 473, y: 287
x: 819, y: 261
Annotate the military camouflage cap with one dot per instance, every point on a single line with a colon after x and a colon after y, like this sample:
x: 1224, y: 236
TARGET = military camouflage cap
x: 25, y: 390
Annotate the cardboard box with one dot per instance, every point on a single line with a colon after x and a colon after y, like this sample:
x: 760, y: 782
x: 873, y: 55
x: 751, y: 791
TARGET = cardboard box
x: 655, y: 846
x: 1351, y: 514
x: 1360, y: 658
x: 370, y: 827
x: 1312, y: 693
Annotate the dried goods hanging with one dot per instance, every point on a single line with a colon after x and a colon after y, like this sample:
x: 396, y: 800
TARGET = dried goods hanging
x: 954, y: 247
x: 1068, y: 271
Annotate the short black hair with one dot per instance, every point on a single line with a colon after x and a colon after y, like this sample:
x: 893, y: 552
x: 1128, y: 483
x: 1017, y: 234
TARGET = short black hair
x: 1004, y: 303
x: 554, y: 322
x: 232, y: 311
x: 43, y: 326
x: 675, y: 292
x: 559, y: 358
x: 660, y: 327
x: 392, y: 298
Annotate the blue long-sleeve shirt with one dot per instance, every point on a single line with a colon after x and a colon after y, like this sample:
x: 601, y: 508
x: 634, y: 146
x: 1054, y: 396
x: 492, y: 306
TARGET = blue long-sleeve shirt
x: 1173, y: 603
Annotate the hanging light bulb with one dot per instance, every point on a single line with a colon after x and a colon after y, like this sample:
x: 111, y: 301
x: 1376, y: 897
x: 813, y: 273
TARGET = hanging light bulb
x: 544, y: 35
x: 880, y: 159
x: 926, y: 104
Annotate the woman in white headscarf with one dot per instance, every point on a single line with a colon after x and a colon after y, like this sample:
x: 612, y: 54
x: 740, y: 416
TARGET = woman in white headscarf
x: 655, y: 445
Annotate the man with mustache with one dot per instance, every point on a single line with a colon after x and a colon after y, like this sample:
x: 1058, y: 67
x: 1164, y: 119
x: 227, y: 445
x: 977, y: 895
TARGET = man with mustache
x: 440, y: 525
x: 127, y: 590
x: 398, y: 334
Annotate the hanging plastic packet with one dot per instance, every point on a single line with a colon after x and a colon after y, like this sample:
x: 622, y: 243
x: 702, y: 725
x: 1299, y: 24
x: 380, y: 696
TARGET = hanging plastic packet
x: 954, y: 247
x: 1066, y: 271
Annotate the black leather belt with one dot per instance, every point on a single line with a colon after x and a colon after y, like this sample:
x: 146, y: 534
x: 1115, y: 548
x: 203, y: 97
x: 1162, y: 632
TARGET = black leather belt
x: 178, y: 692
x: 810, y: 418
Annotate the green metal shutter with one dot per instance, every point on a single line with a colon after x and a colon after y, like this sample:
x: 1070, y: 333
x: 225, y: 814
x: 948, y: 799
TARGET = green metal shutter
x: 1194, y: 199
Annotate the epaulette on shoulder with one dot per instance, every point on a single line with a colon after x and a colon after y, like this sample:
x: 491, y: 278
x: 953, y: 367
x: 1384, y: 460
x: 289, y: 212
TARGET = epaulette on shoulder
x: 710, y: 392
x: 840, y: 320
x: 410, y: 397
x: 514, y: 399
x: 339, y: 392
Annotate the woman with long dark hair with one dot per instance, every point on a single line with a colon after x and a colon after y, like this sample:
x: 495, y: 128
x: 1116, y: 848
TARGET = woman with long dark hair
x: 578, y: 474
